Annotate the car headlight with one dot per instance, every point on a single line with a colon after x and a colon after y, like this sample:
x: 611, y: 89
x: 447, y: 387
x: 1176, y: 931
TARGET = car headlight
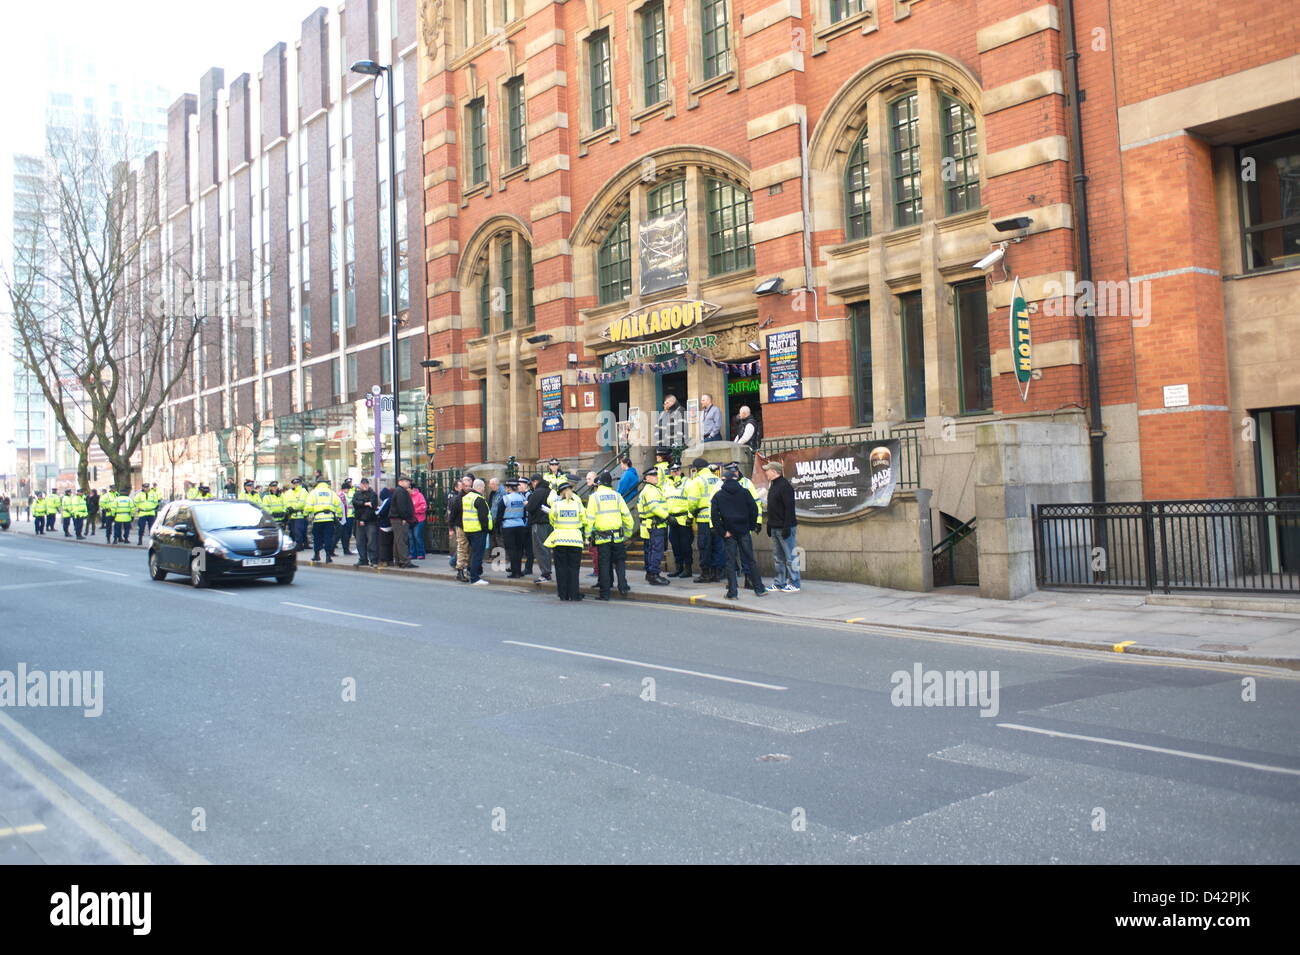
x: 286, y: 542
x: 215, y: 547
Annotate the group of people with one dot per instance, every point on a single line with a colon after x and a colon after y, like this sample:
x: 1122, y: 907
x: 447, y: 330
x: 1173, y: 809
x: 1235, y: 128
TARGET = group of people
x: 704, y: 518
x: 116, y: 511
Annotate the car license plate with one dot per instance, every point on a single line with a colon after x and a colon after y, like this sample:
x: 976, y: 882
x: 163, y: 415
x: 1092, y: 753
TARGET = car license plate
x: 259, y: 561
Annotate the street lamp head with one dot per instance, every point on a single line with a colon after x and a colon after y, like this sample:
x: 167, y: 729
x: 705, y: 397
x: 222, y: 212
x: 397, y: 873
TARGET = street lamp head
x: 369, y: 67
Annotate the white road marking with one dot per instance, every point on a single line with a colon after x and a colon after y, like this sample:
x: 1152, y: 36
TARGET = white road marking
x: 346, y: 613
x: 649, y: 666
x: 21, y: 830
x: 1262, y: 767
x: 96, y: 570
x: 39, y: 560
x: 105, y: 797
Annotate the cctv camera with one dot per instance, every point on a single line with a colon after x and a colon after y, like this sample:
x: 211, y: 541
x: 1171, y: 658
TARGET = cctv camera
x: 992, y: 259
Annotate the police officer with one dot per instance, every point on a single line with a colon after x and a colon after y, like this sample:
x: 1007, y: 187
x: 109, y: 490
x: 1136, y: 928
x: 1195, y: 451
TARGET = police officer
x: 107, y: 501
x: 37, y: 508
x: 510, y: 518
x: 554, y: 476
x: 274, y: 502
x: 611, y: 522
x: 295, y: 502
x: 569, y: 528
x: 248, y: 494
x: 679, y: 521
x: 652, y: 508
x: 79, y: 512
x: 147, y: 500
x: 65, y: 511
x: 699, y: 492
x: 326, y: 511
x: 123, y: 515
x: 663, y: 461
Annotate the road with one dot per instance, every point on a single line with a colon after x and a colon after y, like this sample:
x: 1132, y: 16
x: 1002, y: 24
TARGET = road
x: 352, y: 718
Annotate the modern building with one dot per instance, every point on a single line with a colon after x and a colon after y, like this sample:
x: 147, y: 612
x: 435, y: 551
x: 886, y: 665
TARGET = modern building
x: 612, y: 188
x: 274, y: 188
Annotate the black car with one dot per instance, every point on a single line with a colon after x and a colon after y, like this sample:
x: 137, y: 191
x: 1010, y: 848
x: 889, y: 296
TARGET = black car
x: 205, y: 540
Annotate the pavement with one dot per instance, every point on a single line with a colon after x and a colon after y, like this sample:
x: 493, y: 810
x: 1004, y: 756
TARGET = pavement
x: 406, y: 719
x: 1224, y: 628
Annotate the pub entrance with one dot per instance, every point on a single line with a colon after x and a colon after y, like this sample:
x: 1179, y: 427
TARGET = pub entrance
x: 742, y: 390
x: 615, y: 400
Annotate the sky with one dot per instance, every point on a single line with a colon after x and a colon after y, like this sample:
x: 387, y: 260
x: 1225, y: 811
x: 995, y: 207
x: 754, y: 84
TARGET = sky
x: 173, y: 42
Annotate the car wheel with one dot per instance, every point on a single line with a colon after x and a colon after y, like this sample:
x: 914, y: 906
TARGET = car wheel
x: 197, y: 577
x: 285, y: 578
x: 156, y: 572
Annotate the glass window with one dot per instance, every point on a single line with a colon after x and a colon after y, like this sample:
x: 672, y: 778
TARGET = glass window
x: 517, y: 119
x: 385, y: 364
x: 857, y: 190
x: 528, y: 284
x: 352, y: 375
x: 715, y: 35
x: 960, y: 172
x: 475, y: 119
x: 860, y: 316
x: 336, y: 381
x: 507, y: 274
x: 484, y: 299
x: 906, y: 147
x: 602, y: 92
x: 614, y: 263
x: 843, y: 9
x: 1270, y: 202
x: 913, y: 354
x: 654, y: 51
x: 974, y: 372
x: 670, y: 197
x: 404, y: 359
x: 730, y: 213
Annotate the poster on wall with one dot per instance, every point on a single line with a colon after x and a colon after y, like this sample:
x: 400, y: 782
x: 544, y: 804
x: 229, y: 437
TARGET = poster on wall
x: 843, y: 480
x: 553, y: 403
x: 784, y: 374
x: 663, y: 252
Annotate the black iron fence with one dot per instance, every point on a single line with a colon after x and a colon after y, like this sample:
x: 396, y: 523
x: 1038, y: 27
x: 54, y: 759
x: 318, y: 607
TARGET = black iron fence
x: 909, y: 472
x: 1243, y: 545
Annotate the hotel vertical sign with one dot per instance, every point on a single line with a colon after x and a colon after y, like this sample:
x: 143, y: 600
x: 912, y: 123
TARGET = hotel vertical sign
x: 1022, y: 348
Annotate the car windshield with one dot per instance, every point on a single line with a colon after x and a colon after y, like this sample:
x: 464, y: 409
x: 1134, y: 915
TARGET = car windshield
x: 225, y: 516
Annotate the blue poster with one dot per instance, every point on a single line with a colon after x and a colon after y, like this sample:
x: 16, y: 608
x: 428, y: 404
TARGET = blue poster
x: 553, y: 403
x: 784, y: 375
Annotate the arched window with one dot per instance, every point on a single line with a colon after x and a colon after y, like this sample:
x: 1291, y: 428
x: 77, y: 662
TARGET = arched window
x: 730, y: 212
x: 857, y: 190
x: 614, y: 263
x: 670, y: 197
x: 485, y: 298
x: 960, y: 173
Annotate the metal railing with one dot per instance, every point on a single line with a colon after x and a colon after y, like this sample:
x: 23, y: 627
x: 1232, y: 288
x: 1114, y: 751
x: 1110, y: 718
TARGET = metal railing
x: 944, y: 554
x: 1241, y: 545
x: 909, y: 472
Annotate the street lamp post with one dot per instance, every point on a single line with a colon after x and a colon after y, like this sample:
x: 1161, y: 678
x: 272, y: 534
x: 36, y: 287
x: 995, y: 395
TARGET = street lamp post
x: 371, y: 68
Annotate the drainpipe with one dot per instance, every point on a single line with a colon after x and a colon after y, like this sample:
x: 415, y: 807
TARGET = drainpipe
x: 1096, y: 434
x: 805, y: 186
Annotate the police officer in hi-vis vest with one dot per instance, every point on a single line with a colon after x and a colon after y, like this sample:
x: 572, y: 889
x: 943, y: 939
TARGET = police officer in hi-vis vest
x: 652, y: 509
x: 147, y: 500
x: 569, y: 529
x: 610, y: 522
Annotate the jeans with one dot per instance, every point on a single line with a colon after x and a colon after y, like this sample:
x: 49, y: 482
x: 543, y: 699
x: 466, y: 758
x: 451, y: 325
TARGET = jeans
x: 322, y: 537
x: 542, y: 553
x: 415, y: 539
x: 367, y: 552
x: 477, y: 542
x: 784, y: 563
x: 741, y: 545
x: 298, y: 530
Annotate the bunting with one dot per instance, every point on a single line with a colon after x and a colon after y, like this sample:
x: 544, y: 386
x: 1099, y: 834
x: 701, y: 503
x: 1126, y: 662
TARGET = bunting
x: 666, y: 367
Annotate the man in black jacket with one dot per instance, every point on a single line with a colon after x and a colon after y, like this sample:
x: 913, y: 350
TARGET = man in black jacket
x: 781, y: 524
x: 539, y: 525
x: 453, y: 524
x: 735, y: 513
x: 364, y: 503
x: 401, y: 511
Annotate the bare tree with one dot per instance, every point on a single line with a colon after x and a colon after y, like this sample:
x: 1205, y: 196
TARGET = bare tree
x: 176, y: 447
x: 104, y: 311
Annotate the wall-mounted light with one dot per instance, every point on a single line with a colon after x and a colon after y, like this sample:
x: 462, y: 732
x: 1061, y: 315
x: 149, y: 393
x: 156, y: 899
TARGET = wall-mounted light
x: 538, y: 339
x: 431, y: 363
x: 573, y: 358
x: 775, y: 286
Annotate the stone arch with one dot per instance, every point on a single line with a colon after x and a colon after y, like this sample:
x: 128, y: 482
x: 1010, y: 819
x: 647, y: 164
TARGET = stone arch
x: 478, y: 242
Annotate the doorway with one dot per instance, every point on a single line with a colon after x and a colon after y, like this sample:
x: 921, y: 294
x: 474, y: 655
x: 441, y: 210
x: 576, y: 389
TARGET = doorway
x: 616, y: 397
x: 1278, y: 462
x: 673, y: 383
x: 742, y: 390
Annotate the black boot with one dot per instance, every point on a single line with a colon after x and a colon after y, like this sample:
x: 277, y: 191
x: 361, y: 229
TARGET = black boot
x: 704, y: 576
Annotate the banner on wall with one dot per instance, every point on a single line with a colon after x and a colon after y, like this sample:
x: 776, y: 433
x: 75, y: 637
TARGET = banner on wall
x: 663, y: 252
x: 553, y: 403
x: 784, y: 369
x: 842, y: 480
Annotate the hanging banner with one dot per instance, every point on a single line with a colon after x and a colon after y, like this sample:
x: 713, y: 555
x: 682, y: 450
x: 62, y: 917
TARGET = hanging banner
x: 663, y: 252
x: 842, y: 480
x: 672, y: 347
x: 1022, y: 348
x: 784, y: 373
x: 553, y: 403
x: 430, y: 428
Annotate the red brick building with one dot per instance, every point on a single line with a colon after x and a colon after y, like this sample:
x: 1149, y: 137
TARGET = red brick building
x: 861, y: 151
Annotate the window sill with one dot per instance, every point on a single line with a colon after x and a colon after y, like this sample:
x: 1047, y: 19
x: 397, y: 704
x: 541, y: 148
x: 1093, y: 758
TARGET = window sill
x: 514, y: 172
x: 727, y: 79
x: 1268, y: 270
x: 865, y: 19
x: 480, y: 189
x: 591, y: 137
x: 651, y: 110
